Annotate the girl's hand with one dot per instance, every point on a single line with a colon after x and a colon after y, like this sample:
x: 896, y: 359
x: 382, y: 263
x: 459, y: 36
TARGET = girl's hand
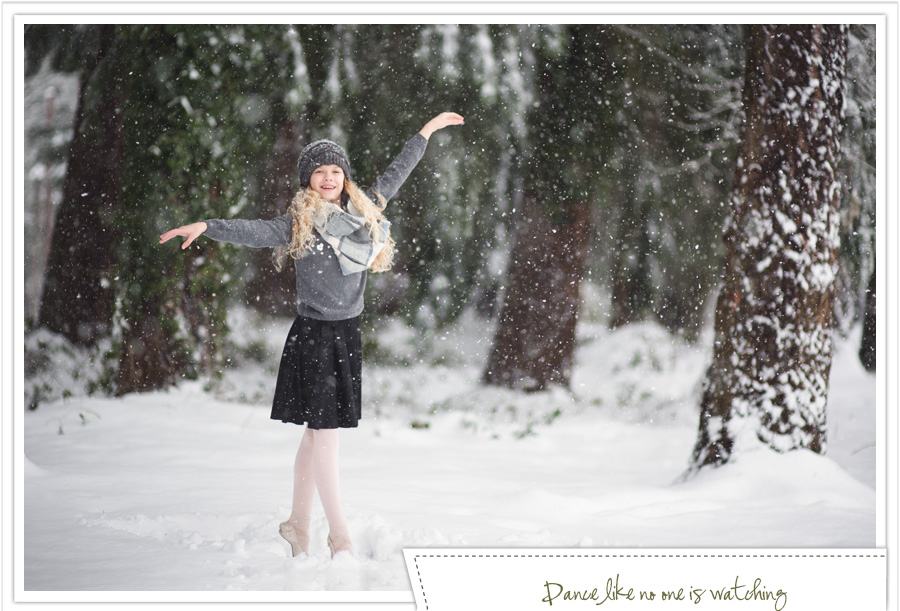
x: 192, y: 232
x: 440, y: 122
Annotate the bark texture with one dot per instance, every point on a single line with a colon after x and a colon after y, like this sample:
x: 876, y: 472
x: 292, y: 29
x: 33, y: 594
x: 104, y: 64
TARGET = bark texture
x: 768, y: 381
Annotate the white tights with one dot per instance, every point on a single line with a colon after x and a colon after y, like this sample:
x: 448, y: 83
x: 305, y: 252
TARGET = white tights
x: 316, y: 467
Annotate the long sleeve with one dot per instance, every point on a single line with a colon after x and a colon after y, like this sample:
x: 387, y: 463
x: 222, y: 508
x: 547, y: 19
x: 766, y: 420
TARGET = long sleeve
x: 390, y: 181
x: 324, y: 291
x: 254, y: 233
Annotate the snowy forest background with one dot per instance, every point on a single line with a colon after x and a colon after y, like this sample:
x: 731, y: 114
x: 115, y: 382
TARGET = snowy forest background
x: 559, y: 256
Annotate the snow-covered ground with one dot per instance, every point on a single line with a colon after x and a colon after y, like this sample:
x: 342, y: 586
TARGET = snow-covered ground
x: 184, y: 489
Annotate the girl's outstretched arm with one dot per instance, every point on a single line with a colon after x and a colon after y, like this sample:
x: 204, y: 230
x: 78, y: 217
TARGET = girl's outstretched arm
x: 440, y: 122
x: 192, y: 232
x: 256, y: 233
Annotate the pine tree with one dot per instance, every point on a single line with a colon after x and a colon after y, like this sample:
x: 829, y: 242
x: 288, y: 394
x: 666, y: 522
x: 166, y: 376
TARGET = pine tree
x: 199, y: 125
x: 294, y: 113
x: 676, y: 123
x: 50, y: 102
x: 768, y: 381
x: 78, y: 299
x: 535, y: 339
x: 869, y: 332
x: 856, y: 278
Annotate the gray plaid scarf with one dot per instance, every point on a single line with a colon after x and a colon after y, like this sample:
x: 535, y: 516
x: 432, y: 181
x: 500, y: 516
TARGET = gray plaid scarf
x: 346, y: 232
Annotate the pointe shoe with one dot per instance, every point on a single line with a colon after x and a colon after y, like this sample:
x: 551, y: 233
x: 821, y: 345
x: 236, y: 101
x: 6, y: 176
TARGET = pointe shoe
x: 339, y: 544
x: 299, y: 539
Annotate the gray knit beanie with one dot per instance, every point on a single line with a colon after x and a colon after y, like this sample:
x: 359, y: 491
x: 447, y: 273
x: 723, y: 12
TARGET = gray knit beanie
x: 319, y: 153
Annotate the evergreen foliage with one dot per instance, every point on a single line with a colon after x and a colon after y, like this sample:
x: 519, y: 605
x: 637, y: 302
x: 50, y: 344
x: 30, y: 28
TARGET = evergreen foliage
x: 201, y: 127
x: 639, y: 123
x: 676, y: 121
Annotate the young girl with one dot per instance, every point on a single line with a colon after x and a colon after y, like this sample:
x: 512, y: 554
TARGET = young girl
x: 335, y: 233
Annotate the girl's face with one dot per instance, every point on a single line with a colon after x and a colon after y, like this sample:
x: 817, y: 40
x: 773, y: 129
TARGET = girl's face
x: 328, y: 182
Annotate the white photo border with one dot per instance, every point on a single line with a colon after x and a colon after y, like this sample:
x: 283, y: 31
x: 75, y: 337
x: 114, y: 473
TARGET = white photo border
x: 16, y: 14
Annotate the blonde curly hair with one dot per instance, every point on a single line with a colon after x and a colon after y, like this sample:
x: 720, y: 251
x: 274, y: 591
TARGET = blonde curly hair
x: 308, y: 206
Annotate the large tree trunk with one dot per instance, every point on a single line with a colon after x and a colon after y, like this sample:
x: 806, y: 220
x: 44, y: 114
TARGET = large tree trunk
x: 768, y: 381
x: 77, y: 299
x: 535, y: 338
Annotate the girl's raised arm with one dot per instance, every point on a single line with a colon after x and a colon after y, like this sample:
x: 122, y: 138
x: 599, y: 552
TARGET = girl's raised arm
x: 192, y: 232
x: 396, y: 174
x: 440, y: 122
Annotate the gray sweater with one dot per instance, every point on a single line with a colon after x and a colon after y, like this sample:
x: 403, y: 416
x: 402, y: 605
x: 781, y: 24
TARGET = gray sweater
x: 323, y: 291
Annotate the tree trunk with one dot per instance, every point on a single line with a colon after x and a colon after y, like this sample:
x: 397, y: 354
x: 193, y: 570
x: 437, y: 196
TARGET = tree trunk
x: 318, y: 53
x: 270, y: 291
x: 768, y: 381
x: 535, y: 338
x: 867, y: 349
x: 149, y: 359
x: 630, y: 274
x: 77, y: 299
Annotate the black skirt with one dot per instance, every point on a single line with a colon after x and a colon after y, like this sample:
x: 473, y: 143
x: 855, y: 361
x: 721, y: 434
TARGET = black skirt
x: 319, y: 380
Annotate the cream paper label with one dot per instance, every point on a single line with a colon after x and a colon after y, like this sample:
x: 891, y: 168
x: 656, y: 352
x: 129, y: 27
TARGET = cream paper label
x: 622, y: 580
